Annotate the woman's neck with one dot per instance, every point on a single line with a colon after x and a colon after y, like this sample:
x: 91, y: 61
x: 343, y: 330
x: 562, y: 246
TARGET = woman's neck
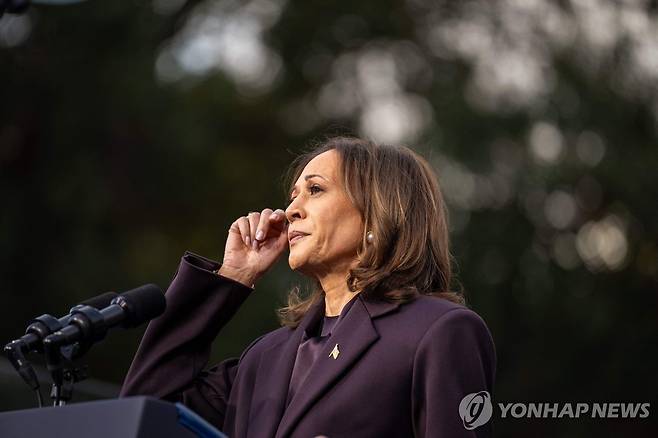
x: 336, y: 293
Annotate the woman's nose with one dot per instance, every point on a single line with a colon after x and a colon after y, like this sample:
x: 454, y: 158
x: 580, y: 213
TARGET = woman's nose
x: 293, y: 211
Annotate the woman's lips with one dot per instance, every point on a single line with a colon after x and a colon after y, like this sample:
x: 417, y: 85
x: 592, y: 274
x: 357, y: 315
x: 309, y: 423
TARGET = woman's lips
x: 296, y: 238
x: 295, y: 235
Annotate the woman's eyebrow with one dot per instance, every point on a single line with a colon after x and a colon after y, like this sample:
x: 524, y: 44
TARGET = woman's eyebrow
x: 306, y: 178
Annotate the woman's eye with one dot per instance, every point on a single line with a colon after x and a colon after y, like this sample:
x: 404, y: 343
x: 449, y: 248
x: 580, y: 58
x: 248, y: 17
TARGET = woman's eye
x: 312, y: 190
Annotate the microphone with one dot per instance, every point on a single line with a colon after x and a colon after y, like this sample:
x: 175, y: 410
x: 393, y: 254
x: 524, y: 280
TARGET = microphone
x: 88, y: 325
x: 128, y: 310
x: 40, y: 328
x: 46, y: 324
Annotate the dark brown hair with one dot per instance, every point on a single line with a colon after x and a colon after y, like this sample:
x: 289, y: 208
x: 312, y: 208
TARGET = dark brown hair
x: 398, y: 195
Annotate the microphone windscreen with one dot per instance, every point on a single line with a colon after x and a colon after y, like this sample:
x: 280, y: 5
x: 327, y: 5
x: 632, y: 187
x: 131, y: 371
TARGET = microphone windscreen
x: 144, y: 303
x: 101, y: 301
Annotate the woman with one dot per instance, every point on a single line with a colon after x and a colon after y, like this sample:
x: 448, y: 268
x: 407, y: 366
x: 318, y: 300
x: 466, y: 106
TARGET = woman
x: 379, y: 349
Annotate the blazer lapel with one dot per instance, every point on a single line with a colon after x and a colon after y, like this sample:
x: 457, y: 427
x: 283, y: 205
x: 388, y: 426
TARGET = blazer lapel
x: 354, y: 335
x: 273, y: 378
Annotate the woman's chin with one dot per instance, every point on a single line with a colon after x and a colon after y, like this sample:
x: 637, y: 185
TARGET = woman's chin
x: 294, y: 262
x: 298, y: 264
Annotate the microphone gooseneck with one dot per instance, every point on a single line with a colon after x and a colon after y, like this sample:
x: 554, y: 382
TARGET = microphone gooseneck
x: 63, y: 339
x: 88, y: 325
x: 40, y: 328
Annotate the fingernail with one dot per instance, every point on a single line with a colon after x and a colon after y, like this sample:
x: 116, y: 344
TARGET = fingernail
x: 254, y: 244
x: 274, y: 216
x: 247, y: 240
x: 259, y: 235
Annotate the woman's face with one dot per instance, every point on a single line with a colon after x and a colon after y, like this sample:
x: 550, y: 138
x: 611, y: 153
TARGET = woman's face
x: 331, y: 225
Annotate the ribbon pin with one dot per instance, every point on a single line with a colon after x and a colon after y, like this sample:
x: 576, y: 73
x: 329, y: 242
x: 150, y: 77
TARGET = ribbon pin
x: 335, y: 352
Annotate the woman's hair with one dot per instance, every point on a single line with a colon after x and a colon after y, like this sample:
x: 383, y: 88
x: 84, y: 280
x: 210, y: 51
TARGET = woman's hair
x: 398, y: 196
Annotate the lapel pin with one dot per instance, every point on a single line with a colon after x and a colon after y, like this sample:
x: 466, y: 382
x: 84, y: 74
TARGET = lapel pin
x: 335, y: 352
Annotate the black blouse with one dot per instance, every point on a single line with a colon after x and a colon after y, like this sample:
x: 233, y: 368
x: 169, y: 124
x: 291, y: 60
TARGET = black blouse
x: 316, y: 336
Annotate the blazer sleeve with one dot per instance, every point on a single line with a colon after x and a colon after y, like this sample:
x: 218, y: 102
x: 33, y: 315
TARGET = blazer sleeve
x: 455, y: 357
x: 176, y: 346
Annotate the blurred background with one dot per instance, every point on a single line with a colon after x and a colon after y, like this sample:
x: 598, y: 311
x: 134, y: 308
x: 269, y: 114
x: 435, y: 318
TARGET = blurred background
x: 133, y: 131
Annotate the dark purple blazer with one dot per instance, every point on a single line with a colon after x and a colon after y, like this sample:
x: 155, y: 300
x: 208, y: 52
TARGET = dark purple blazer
x: 402, y: 370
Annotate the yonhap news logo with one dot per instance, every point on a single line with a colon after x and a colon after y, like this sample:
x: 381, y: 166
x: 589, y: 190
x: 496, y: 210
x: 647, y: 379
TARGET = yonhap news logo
x: 476, y: 409
x: 574, y: 410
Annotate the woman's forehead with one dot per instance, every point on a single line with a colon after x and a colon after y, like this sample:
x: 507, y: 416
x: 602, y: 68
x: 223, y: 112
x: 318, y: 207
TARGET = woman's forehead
x: 324, y: 164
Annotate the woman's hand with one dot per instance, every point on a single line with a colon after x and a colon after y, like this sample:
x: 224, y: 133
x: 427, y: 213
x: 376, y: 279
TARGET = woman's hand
x: 254, y: 243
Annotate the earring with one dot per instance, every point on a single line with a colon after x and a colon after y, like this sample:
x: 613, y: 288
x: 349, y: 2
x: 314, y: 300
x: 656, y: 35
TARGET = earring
x: 370, y: 237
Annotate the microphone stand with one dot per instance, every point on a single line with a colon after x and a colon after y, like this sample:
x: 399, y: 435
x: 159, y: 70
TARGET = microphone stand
x: 72, y: 336
x: 15, y: 353
x: 59, y: 351
x: 40, y: 328
x: 59, y: 360
x: 62, y: 394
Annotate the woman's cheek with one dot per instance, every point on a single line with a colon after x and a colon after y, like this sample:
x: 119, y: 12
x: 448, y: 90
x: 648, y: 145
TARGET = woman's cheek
x: 299, y: 254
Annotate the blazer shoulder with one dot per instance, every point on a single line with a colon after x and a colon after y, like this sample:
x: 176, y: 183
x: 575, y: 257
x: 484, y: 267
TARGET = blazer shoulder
x: 430, y: 309
x: 425, y: 312
x: 266, y: 341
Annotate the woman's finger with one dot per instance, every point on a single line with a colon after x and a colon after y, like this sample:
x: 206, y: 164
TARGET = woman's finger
x: 278, y: 219
x: 254, y: 218
x: 277, y: 215
x: 243, y: 226
x: 263, y: 224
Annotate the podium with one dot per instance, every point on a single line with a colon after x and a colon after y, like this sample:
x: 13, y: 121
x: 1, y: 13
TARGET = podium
x: 131, y: 417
